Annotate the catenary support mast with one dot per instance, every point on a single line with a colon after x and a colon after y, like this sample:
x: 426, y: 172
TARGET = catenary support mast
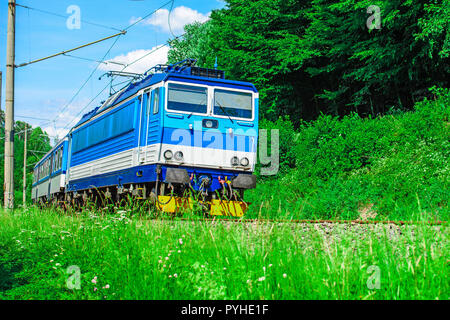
x: 9, y: 108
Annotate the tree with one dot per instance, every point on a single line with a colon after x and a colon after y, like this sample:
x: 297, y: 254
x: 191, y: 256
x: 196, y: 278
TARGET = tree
x: 38, y: 145
x: 319, y: 56
x: 435, y: 25
x: 196, y: 43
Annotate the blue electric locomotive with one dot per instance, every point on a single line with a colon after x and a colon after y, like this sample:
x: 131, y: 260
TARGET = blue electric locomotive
x: 179, y: 129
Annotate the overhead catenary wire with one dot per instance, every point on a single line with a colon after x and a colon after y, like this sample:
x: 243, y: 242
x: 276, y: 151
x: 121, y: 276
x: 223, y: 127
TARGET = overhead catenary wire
x: 67, y: 16
x: 146, y: 16
x: 102, y: 60
x: 93, y: 60
x: 65, y: 52
x: 87, y: 80
x: 45, y: 122
x: 70, y: 50
x: 89, y: 103
x: 18, y: 133
x: 33, y: 118
x: 128, y: 65
x: 168, y: 18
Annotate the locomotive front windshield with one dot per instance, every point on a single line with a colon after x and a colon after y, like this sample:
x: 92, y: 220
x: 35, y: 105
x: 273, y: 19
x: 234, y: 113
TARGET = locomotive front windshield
x: 192, y: 99
x: 233, y: 104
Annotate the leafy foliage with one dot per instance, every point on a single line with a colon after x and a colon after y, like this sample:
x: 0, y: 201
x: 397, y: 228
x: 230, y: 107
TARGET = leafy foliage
x: 397, y: 163
x: 435, y: 25
x: 38, y: 145
x: 313, y: 57
x: 319, y: 61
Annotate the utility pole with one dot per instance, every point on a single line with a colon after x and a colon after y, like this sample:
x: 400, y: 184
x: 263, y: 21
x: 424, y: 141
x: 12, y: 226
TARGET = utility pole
x: 8, y: 186
x: 0, y: 90
x: 9, y: 109
x: 25, y: 167
x: 0, y: 93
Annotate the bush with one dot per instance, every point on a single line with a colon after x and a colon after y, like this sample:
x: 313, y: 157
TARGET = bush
x: 287, y: 136
x: 396, y: 164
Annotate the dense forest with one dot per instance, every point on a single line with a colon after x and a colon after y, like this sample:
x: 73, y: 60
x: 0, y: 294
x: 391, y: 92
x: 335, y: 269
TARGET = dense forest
x: 320, y: 56
x: 38, y: 144
x: 363, y: 108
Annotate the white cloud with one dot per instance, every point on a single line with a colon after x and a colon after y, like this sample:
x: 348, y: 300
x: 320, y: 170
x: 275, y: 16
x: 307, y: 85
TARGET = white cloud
x: 55, y: 133
x: 62, y: 122
x: 65, y: 120
x: 150, y: 59
x: 179, y: 17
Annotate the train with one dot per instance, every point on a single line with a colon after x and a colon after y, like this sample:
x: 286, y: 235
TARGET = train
x: 178, y: 135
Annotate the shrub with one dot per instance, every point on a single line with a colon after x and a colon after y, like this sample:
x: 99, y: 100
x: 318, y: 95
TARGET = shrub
x: 334, y: 167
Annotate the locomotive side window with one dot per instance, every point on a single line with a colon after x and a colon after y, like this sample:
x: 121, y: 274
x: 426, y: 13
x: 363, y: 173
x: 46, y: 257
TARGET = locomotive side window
x: 156, y: 102
x: 122, y: 121
x: 60, y: 155
x: 233, y: 104
x: 80, y: 140
x: 113, y: 125
x: 57, y: 160
x: 185, y: 98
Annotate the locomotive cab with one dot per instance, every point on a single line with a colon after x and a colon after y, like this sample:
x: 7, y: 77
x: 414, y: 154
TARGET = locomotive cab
x: 207, y: 128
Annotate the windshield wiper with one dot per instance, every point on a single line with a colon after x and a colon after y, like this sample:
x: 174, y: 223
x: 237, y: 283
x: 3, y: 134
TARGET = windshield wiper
x: 190, y: 115
x: 223, y: 110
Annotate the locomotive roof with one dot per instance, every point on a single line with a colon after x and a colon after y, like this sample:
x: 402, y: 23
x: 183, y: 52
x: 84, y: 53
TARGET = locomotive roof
x: 168, y: 73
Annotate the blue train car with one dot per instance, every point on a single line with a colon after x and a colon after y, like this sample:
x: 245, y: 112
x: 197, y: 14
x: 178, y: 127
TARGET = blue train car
x: 49, y: 178
x: 180, y: 128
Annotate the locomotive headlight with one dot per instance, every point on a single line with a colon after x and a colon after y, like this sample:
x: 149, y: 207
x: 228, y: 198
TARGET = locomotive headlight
x: 245, y: 162
x: 209, y: 124
x: 168, y: 155
x: 235, y: 161
x: 179, y: 156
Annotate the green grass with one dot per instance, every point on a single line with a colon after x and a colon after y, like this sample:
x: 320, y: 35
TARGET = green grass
x: 392, y: 167
x: 139, y: 258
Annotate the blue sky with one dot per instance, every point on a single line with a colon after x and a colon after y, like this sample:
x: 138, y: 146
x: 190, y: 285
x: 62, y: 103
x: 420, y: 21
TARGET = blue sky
x: 44, y: 89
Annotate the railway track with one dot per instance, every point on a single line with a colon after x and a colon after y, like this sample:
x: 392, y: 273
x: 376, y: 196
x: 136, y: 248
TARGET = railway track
x: 287, y: 221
